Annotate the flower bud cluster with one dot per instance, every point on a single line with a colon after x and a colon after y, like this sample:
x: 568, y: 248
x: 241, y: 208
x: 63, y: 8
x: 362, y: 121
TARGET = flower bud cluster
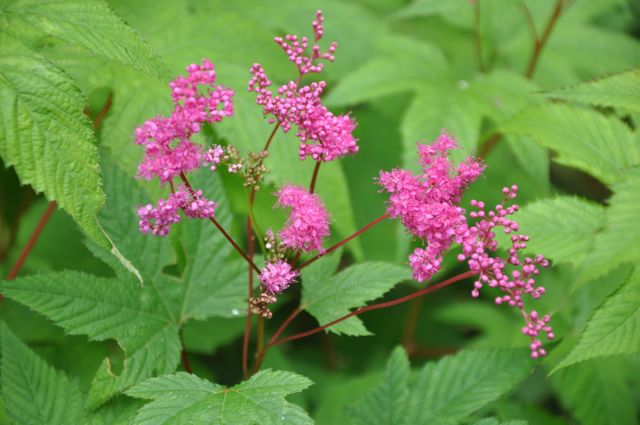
x: 515, y: 276
x: 323, y: 136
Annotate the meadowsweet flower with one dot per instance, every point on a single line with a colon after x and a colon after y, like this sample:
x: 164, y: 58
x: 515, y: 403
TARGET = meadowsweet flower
x: 323, y: 135
x: 515, y: 275
x: 296, y: 48
x: 169, y: 150
x: 157, y: 220
x: 308, y: 222
x: 277, y: 276
x: 427, y: 203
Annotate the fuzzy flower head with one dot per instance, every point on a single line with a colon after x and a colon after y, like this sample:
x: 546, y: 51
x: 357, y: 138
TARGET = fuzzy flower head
x: 308, y: 221
x: 514, y: 274
x: 427, y: 203
x: 277, y: 276
x: 169, y: 150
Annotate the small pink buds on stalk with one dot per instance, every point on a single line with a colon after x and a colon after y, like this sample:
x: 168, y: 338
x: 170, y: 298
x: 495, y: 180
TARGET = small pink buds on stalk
x: 323, y: 136
x: 308, y: 222
x: 428, y: 206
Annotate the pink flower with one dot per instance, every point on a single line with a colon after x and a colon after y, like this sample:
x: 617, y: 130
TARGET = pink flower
x: 515, y: 275
x: 296, y: 48
x: 323, y: 135
x: 158, y: 220
x: 169, y: 150
x: 427, y: 203
x: 276, y: 277
x: 308, y: 222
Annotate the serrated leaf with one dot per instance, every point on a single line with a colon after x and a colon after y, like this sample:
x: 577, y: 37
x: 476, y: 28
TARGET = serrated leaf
x: 385, y: 404
x: 46, y: 137
x: 596, y: 393
x: 618, y: 91
x: 91, y: 24
x: 614, y: 328
x: 186, y: 399
x: 618, y: 242
x: 456, y: 386
x: 563, y: 228
x: 600, y: 145
x: 34, y: 392
x: 330, y: 298
x: 144, y: 320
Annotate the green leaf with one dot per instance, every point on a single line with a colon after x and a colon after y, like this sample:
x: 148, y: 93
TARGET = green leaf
x: 328, y: 298
x: 447, y: 105
x: 563, y: 228
x: 386, y: 404
x: 456, y: 386
x: 618, y: 242
x: 445, y: 392
x: 91, y: 24
x: 404, y: 64
x: 614, y: 328
x: 618, y: 91
x: 186, y: 399
x: 597, y: 392
x: 34, y: 392
x: 46, y: 137
x: 144, y: 320
x: 585, y: 139
x: 106, y: 309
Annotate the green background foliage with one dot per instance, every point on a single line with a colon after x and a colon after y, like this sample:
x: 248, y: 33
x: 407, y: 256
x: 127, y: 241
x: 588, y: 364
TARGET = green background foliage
x: 92, y: 330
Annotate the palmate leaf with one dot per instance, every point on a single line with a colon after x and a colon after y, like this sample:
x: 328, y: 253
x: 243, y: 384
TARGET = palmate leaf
x: 34, y: 393
x: 186, y: 399
x: 45, y: 135
x: 618, y: 91
x: 563, y: 228
x: 445, y: 392
x: 602, y: 146
x: 143, y: 319
x: 614, y: 328
x: 596, y: 392
x: 327, y: 297
x: 91, y: 24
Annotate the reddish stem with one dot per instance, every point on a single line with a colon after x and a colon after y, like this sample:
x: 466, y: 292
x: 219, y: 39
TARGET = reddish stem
x: 32, y: 240
x: 228, y: 237
x: 540, y: 43
x: 314, y: 177
x: 284, y: 324
x: 347, y: 239
x: 376, y: 307
x: 184, y: 356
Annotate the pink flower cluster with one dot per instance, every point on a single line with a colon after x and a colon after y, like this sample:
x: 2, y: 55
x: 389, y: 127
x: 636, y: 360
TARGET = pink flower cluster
x: 296, y: 48
x: 277, y: 276
x: 167, y: 140
x: 157, y: 220
x: 427, y: 203
x: 323, y: 135
x: 308, y: 222
x: 169, y: 151
x: 515, y: 275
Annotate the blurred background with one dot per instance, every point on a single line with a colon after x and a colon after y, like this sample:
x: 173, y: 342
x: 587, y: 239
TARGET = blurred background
x: 405, y: 70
